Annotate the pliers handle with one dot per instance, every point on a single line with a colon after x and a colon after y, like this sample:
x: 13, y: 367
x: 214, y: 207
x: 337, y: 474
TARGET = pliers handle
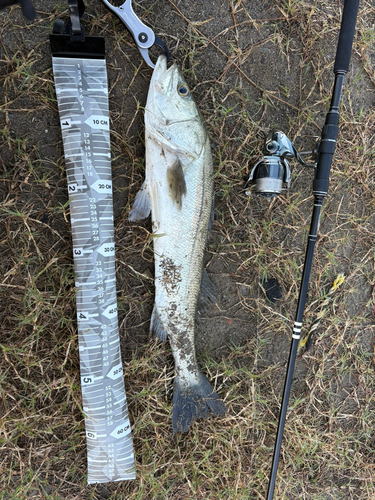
x: 144, y: 37
x: 27, y: 7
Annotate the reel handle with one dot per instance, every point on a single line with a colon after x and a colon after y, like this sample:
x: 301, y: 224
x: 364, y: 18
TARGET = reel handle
x: 344, y: 47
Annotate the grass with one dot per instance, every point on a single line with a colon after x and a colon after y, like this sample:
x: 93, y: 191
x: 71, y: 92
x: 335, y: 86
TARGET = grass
x: 252, y: 66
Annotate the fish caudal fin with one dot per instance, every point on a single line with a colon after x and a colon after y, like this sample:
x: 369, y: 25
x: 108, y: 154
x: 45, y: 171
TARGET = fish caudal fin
x: 142, y: 205
x: 157, y: 328
x: 193, y: 402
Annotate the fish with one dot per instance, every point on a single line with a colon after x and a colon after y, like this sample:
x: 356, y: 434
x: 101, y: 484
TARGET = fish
x: 178, y: 191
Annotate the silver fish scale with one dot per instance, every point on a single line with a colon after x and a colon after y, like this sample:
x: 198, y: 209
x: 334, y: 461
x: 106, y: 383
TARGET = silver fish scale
x: 82, y: 96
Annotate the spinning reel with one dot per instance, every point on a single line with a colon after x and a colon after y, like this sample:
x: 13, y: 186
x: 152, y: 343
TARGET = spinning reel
x: 272, y: 171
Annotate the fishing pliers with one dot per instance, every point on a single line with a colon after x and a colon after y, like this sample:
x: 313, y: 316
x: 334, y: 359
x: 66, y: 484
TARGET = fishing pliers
x: 144, y: 37
x: 27, y: 7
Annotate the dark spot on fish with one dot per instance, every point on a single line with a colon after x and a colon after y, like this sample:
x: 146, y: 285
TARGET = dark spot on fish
x: 173, y: 308
x: 162, y: 152
x: 171, y: 277
x: 184, y: 343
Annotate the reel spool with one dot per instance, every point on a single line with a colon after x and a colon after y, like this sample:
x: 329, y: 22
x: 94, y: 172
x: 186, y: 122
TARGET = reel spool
x: 272, y: 171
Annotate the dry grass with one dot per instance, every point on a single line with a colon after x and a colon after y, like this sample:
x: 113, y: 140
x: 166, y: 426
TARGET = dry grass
x: 252, y: 66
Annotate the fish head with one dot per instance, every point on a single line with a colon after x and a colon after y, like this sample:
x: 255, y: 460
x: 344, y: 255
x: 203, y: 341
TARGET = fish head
x: 172, y: 117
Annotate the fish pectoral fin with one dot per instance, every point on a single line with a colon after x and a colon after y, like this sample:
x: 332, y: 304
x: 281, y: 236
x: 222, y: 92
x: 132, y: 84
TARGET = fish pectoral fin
x: 142, y: 204
x: 157, y: 328
x: 176, y: 183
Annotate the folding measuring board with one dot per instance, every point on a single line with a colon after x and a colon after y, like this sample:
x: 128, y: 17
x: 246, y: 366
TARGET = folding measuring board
x: 80, y: 76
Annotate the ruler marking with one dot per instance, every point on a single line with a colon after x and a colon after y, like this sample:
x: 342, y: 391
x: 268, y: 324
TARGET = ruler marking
x: 88, y: 348
x: 125, y: 458
x: 96, y: 409
x: 68, y: 103
x: 120, y: 401
x: 72, y: 89
x: 95, y: 397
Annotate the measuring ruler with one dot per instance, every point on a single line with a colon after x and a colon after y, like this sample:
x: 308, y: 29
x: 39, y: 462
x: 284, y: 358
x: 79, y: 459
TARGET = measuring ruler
x: 80, y: 76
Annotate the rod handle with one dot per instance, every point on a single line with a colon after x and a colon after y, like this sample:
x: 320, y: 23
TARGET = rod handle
x: 344, y: 46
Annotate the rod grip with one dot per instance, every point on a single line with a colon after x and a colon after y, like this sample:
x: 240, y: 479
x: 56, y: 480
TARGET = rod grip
x: 344, y: 46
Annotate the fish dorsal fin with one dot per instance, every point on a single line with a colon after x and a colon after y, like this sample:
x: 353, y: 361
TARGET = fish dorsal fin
x: 176, y: 183
x: 212, y: 216
x: 142, y: 204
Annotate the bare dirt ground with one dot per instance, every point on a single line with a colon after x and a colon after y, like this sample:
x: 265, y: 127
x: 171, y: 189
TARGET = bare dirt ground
x: 252, y: 66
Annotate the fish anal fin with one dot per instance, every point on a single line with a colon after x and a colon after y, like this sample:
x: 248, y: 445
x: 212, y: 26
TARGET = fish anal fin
x: 176, y: 183
x: 142, y: 205
x: 157, y: 328
x: 193, y: 402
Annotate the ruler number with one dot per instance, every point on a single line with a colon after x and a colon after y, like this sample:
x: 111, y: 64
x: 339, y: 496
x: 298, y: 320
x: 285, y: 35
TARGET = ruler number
x: 115, y: 372
x: 82, y: 315
x: 121, y: 430
x: 78, y: 252
x: 100, y: 122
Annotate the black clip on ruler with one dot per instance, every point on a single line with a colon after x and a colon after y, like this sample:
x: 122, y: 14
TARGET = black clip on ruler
x: 80, y: 76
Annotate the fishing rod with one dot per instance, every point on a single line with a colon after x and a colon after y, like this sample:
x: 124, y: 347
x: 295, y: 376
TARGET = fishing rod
x: 272, y: 171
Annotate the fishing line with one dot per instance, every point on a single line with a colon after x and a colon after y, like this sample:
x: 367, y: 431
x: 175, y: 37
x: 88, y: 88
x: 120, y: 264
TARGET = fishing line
x: 80, y: 75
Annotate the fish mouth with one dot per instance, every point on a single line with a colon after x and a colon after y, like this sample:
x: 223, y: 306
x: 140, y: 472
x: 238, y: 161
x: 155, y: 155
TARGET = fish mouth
x: 160, y: 67
x: 162, y: 77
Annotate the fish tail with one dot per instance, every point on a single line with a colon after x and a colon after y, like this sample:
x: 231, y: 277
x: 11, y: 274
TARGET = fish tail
x: 191, y: 402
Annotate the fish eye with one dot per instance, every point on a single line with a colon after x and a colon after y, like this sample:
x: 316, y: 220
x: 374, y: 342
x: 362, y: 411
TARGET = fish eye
x: 183, y: 90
